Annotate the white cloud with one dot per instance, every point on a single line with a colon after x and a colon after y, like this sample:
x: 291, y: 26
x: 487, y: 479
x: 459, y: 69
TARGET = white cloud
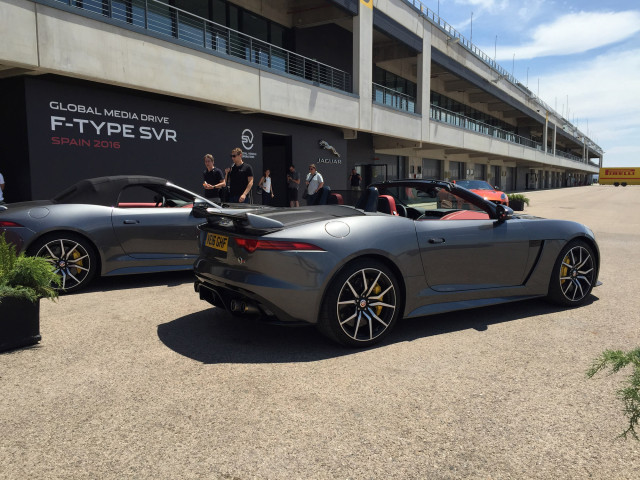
x: 607, y: 84
x: 575, y: 33
x: 605, y: 92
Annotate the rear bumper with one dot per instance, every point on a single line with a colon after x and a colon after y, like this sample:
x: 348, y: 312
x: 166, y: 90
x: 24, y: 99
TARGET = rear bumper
x: 244, y: 303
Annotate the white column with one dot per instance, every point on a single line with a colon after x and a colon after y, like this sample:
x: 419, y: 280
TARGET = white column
x: 424, y: 81
x: 363, y: 61
x: 545, y: 137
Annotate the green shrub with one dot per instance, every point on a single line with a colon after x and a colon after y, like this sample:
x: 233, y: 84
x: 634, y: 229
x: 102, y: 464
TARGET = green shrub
x: 518, y: 196
x: 25, y: 277
x: 630, y: 393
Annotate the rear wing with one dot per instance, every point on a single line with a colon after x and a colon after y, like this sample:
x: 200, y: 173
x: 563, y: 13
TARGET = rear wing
x: 241, y: 219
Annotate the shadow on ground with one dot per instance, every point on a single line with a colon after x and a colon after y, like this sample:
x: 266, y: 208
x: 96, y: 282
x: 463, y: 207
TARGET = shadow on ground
x: 213, y: 336
x: 142, y: 280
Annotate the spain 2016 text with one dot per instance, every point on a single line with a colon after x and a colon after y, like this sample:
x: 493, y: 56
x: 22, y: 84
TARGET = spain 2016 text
x: 84, y: 142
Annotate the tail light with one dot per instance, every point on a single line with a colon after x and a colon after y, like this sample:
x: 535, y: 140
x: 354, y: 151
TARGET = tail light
x: 9, y: 224
x: 251, y: 245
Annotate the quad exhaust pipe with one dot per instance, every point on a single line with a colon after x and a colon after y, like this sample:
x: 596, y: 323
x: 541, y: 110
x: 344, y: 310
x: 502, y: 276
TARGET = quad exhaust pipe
x: 242, y: 307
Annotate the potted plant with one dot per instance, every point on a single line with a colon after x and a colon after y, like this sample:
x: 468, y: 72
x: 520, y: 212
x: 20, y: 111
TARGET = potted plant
x: 517, y: 201
x: 23, y: 282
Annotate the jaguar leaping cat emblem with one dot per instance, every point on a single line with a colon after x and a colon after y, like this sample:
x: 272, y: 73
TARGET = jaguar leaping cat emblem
x: 326, y: 146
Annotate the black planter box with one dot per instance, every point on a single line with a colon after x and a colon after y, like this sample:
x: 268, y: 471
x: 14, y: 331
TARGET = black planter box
x: 19, y: 323
x: 516, y: 205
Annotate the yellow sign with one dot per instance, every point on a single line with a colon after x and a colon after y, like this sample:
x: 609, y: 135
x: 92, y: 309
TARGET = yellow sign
x: 367, y: 3
x: 619, y: 176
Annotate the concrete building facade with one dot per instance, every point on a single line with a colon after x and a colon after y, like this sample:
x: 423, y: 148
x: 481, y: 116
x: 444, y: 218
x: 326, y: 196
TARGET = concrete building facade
x: 103, y: 87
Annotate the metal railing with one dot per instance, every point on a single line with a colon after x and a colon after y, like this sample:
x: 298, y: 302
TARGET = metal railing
x: 394, y: 99
x: 569, y: 156
x: 168, y: 21
x: 445, y: 116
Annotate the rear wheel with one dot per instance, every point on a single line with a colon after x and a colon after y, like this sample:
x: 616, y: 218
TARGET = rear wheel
x: 362, y: 304
x: 72, y: 257
x: 574, y: 275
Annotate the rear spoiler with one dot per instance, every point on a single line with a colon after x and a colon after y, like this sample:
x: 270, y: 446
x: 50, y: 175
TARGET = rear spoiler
x: 240, y: 218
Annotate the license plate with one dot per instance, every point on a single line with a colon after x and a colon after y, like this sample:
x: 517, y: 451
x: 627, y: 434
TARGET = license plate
x: 219, y: 242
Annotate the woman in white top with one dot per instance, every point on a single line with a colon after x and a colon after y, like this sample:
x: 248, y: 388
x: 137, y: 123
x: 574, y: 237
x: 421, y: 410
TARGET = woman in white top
x: 267, y: 190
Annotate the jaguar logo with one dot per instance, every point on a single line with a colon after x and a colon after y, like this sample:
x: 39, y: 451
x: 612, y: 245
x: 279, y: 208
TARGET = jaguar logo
x: 324, y: 144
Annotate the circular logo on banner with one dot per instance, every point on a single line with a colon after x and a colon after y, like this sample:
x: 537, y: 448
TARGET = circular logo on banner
x: 247, y: 139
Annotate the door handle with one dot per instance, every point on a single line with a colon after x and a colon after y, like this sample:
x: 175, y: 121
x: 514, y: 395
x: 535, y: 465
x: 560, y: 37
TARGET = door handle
x: 130, y: 222
x: 436, y: 240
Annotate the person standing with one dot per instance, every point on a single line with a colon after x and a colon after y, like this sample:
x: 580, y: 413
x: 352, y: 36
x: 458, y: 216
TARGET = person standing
x: 314, y: 183
x: 293, y: 184
x: 1, y: 189
x: 213, y: 179
x: 240, y: 178
x: 354, y: 180
x: 267, y: 188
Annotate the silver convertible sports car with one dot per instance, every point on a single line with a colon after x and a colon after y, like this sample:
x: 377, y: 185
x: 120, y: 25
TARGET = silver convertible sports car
x: 108, y: 226
x: 407, y: 249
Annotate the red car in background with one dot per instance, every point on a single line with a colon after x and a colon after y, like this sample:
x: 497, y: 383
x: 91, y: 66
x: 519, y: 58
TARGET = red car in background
x: 485, y: 190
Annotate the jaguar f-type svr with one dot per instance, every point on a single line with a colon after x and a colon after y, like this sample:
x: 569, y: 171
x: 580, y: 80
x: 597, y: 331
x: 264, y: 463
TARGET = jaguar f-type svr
x: 408, y: 248
x: 108, y: 226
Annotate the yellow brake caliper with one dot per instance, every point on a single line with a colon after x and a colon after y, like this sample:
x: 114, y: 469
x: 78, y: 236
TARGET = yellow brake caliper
x: 564, y: 270
x: 75, y: 256
x: 376, y: 290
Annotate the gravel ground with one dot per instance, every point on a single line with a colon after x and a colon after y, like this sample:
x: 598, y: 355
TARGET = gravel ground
x: 137, y: 378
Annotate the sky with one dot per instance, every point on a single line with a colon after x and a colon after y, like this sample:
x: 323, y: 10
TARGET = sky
x: 581, y: 57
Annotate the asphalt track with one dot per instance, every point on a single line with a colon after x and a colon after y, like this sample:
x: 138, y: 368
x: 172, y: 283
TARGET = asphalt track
x: 137, y: 378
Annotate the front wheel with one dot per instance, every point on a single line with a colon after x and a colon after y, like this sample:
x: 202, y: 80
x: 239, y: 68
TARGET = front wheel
x: 362, y: 304
x: 574, y: 275
x: 71, y: 256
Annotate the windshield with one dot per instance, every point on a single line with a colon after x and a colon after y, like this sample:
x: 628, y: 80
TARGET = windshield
x: 474, y: 184
x: 427, y: 197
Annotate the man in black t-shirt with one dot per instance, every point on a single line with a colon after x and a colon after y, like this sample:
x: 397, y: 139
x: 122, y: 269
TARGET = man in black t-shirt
x: 240, y: 178
x: 354, y: 180
x: 213, y: 179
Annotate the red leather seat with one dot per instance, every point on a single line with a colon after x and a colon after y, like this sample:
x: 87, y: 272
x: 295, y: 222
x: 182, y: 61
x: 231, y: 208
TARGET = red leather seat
x: 387, y: 204
x: 335, y: 199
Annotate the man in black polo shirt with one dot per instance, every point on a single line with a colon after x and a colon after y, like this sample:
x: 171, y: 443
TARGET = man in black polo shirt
x: 213, y: 179
x: 239, y: 178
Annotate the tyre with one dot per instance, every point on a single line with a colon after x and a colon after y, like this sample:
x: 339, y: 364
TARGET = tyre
x: 362, y: 304
x: 574, y: 275
x: 72, y: 256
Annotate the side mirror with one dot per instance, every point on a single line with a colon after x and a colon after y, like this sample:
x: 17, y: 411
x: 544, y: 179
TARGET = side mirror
x: 503, y: 212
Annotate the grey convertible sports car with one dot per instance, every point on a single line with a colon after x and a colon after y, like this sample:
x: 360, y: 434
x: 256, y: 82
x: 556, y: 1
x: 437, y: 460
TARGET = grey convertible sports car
x: 407, y: 249
x: 108, y: 226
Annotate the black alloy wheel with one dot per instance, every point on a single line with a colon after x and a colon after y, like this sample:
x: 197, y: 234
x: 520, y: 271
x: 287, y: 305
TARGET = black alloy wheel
x: 574, y: 275
x: 71, y: 256
x: 362, y: 304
